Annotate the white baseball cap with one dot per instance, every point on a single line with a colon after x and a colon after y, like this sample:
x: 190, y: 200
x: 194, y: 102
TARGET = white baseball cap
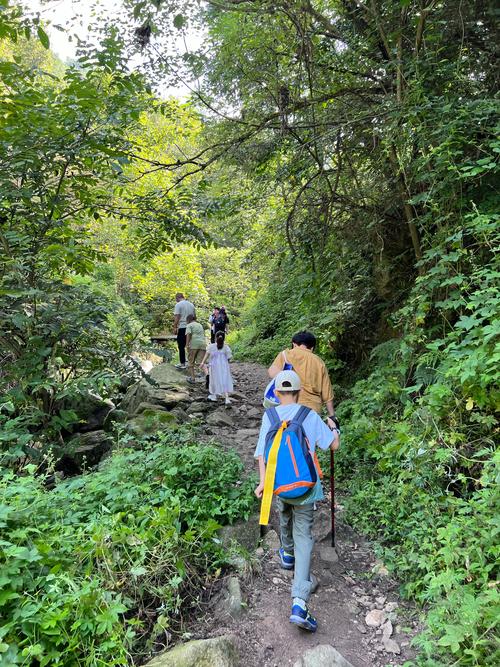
x: 287, y: 381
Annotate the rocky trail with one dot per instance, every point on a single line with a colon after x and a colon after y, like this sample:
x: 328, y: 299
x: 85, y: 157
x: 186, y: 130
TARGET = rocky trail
x: 362, y: 622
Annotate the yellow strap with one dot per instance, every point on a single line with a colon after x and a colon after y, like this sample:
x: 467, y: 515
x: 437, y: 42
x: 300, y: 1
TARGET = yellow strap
x: 267, y: 495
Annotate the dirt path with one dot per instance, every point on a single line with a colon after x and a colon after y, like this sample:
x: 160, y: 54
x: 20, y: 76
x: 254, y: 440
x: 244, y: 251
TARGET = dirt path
x: 348, y: 590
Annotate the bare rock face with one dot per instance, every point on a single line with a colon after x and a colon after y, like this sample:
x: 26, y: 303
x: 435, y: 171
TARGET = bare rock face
x: 215, y: 652
x: 322, y: 656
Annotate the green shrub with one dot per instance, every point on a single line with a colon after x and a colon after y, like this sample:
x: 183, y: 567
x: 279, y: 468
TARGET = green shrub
x: 89, y: 567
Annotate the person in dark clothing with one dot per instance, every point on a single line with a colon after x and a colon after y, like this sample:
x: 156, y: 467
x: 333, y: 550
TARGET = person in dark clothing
x: 211, y: 320
x: 221, y: 322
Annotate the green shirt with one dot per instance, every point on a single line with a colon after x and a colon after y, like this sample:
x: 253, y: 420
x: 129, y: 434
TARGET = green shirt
x: 197, y: 336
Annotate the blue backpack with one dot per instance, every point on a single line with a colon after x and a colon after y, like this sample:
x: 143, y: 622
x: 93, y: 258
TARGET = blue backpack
x: 295, y: 469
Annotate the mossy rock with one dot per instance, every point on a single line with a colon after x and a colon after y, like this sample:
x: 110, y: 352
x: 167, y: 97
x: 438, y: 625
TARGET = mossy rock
x: 215, y: 652
x: 149, y: 422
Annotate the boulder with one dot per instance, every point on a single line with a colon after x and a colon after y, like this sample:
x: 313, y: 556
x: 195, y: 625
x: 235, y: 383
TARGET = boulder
x: 230, y: 602
x: 149, y: 408
x: 215, y: 652
x: 220, y: 418
x: 255, y: 413
x: 328, y: 554
x: 198, y: 406
x: 323, y: 655
x: 167, y: 376
x: 247, y: 433
x: 150, y: 422
x: 114, y: 416
x: 171, y: 390
x: 179, y: 414
x: 87, y: 449
x: 245, y: 533
x: 271, y: 540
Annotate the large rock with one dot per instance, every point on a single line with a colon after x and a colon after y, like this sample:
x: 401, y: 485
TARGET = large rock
x: 328, y: 554
x: 150, y: 422
x: 149, y: 407
x: 230, y: 602
x: 323, y: 655
x: 216, y: 652
x: 220, y: 418
x: 167, y: 376
x: 271, y: 540
x: 198, y: 406
x: 171, y: 390
x: 87, y: 449
x: 248, y: 434
x: 115, y: 416
x: 245, y: 533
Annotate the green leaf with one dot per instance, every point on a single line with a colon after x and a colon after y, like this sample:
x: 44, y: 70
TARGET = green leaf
x: 43, y: 37
x: 179, y: 21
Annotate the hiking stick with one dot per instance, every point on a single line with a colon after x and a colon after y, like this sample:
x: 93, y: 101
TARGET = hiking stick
x: 332, y: 493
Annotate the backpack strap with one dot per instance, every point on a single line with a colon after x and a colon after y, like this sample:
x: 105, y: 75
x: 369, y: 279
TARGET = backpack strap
x: 273, y: 417
x: 272, y: 461
x: 301, y: 414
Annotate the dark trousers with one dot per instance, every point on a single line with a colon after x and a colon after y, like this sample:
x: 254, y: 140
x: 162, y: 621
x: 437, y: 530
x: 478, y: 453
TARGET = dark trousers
x: 212, y: 336
x: 181, y: 344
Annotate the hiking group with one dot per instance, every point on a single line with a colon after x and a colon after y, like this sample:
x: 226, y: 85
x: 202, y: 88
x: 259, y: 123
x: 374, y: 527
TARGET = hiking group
x: 213, y: 360
x: 291, y: 430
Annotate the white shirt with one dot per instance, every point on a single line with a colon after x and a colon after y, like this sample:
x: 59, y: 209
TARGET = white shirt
x: 183, y: 308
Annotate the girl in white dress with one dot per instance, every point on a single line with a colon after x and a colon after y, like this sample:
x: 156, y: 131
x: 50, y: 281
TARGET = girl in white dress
x: 218, y: 355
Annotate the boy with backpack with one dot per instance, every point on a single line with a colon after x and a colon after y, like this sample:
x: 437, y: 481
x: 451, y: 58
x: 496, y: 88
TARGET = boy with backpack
x: 288, y: 468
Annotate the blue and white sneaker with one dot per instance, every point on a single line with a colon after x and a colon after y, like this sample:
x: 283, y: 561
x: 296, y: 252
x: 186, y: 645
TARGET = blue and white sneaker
x: 303, y: 619
x: 286, y: 559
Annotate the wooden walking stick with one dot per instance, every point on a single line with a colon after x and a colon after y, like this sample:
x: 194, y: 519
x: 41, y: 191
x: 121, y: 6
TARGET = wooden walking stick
x: 332, y: 493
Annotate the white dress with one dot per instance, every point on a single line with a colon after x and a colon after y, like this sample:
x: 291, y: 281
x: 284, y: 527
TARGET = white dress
x: 221, y: 381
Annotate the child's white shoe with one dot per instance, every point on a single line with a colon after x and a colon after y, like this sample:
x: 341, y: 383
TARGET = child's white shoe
x: 228, y: 400
x: 211, y: 397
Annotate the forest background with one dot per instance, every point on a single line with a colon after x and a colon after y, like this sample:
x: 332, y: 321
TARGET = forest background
x: 335, y: 168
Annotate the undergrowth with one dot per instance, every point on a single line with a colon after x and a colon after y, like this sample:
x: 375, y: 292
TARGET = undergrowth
x: 96, y: 571
x: 419, y: 450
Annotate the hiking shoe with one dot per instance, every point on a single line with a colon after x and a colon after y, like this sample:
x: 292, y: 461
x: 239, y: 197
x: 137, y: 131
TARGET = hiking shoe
x: 182, y: 366
x: 190, y: 380
x: 286, y: 559
x: 211, y: 397
x: 303, y: 619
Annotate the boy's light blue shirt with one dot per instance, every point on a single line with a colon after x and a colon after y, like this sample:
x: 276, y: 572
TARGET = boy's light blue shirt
x: 318, y: 434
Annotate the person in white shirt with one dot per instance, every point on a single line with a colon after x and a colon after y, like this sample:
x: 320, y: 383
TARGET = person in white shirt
x: 182, y: 309
x: 296, y: 515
